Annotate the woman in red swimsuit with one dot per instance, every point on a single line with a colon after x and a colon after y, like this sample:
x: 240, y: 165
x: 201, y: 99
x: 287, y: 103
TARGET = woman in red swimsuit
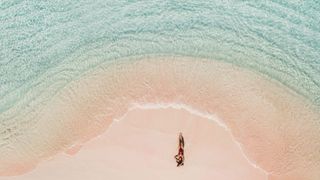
x: 180, y: 156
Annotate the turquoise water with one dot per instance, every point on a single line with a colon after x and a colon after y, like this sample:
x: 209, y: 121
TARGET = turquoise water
x: 45, y: 44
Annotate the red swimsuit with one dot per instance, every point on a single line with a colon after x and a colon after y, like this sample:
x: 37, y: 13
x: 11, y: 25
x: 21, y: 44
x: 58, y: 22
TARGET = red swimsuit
x: 180, y: 151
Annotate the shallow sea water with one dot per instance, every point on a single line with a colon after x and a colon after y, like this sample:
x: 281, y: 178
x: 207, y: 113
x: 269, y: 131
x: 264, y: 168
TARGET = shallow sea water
x: 62, y: 39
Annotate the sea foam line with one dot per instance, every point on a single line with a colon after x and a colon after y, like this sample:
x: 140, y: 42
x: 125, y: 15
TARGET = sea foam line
x: 192, y: 111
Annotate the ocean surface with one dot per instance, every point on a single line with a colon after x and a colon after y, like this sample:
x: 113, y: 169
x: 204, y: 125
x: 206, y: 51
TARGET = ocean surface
x: 46, y: 45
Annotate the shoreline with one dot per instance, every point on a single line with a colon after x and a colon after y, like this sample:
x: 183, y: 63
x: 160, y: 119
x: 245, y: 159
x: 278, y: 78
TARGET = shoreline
x: 135, y: 138
x: 253, y: 107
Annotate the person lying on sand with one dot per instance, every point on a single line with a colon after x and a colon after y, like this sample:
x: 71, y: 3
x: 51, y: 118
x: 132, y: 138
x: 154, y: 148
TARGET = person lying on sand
x: 180, y: 156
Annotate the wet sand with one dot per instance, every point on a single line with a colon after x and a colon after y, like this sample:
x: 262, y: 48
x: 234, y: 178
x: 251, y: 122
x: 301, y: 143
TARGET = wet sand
x: 142, y: 145
x: 277, y: 129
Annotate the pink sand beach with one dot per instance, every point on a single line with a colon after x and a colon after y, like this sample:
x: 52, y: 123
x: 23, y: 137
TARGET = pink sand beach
x: 250, y: 127
x: 142, y: 145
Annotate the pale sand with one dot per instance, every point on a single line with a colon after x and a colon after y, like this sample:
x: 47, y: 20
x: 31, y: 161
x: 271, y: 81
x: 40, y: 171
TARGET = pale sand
x: 278, y: 130
x: 141, y: 147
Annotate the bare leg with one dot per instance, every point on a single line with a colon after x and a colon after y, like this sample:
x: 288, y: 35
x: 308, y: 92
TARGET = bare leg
x: 180, y: 163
